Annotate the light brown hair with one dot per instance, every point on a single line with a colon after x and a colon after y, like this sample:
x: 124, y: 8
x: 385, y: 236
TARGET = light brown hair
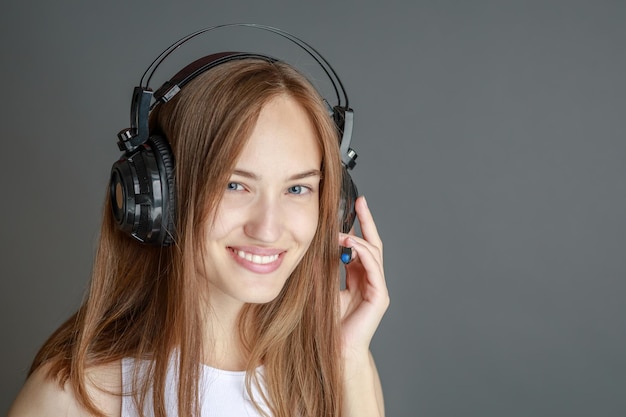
x: 145, y: 302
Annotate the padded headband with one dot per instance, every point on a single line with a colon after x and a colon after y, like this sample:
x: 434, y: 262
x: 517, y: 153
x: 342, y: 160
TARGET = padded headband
x: 141, y: 103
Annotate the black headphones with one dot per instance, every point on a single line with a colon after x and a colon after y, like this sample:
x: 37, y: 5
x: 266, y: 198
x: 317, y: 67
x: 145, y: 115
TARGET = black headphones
x: 142, y: 186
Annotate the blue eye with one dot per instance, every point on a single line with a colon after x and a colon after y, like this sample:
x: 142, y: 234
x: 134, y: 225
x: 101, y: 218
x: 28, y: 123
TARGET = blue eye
x: 234, y: 186
x: 298, y: 189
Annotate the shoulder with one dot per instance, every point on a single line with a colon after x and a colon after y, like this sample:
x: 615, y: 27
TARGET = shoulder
x: 43, y: 395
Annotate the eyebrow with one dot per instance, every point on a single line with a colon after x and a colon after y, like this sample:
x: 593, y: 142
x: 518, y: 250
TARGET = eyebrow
x: 299, y: 176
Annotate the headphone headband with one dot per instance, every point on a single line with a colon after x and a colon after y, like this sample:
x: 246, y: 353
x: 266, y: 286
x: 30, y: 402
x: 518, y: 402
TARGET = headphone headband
x: 141, y: 103
x: 170, y: 88
x: 322, y: 62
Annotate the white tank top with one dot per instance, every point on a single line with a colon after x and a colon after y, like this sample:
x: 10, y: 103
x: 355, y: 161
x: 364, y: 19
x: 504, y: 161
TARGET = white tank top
x: 222, y: 393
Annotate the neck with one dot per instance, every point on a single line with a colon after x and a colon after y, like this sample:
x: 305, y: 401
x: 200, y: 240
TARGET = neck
x: 223, y: 348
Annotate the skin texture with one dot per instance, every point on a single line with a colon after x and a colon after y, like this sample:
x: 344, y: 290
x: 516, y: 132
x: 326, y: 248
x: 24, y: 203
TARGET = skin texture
x: 42, y: 396
x: 270, y: 208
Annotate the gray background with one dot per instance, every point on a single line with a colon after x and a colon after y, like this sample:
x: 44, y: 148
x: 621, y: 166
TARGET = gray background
x: 492, y: 151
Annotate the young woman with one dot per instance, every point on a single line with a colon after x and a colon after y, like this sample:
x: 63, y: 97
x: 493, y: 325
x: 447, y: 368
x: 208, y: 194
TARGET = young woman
x: 243, y: 314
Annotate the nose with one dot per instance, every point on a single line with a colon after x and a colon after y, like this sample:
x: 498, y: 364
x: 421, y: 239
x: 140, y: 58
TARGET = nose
x: 265, y: 220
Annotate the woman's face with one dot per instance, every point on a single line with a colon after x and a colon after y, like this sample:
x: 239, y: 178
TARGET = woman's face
x: 269, y: 212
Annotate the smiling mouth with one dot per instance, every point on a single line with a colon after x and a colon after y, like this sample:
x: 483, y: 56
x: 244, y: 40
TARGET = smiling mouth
x: 256, y: 259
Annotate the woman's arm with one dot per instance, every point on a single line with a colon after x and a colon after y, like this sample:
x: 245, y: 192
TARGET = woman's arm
x: 363, y: 394
x: 363, y: 304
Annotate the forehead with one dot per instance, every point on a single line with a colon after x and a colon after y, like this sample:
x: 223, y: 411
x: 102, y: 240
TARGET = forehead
x: 282, y: 141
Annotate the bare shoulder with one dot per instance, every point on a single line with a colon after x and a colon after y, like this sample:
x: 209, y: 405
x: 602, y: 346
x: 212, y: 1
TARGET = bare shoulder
x: 42, y: 395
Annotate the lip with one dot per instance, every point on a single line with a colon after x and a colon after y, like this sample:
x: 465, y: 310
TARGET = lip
x: 256, y: 267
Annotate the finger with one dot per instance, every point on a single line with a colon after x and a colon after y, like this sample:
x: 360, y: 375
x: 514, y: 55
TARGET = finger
x: 368, y: 257
x: 368, y: 226
x: 347, y: 241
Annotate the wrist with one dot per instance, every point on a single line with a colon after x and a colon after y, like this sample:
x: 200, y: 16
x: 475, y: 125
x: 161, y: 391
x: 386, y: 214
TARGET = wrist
x: 356, y: 362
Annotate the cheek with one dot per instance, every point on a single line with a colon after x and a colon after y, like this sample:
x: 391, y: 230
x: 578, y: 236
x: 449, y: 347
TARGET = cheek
x: 305, y: 224
x: 212, y: 235
x: 221, y: 225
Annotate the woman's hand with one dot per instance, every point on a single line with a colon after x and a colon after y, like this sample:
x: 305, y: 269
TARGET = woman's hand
x: 365, y: 298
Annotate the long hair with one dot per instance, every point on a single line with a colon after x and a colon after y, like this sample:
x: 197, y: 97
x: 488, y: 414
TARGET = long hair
x: 145, y: 302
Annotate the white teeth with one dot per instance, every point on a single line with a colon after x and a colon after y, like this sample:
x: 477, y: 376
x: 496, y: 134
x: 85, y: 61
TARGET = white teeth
x: 257, y: 259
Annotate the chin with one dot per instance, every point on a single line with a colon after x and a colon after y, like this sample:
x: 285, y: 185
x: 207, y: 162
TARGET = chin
x: 261, y: 296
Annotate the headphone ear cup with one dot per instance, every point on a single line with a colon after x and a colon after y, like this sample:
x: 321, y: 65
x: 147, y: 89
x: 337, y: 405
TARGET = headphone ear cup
x: 349, y: 194
x: 165, y: 160
x: 142, y: 190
